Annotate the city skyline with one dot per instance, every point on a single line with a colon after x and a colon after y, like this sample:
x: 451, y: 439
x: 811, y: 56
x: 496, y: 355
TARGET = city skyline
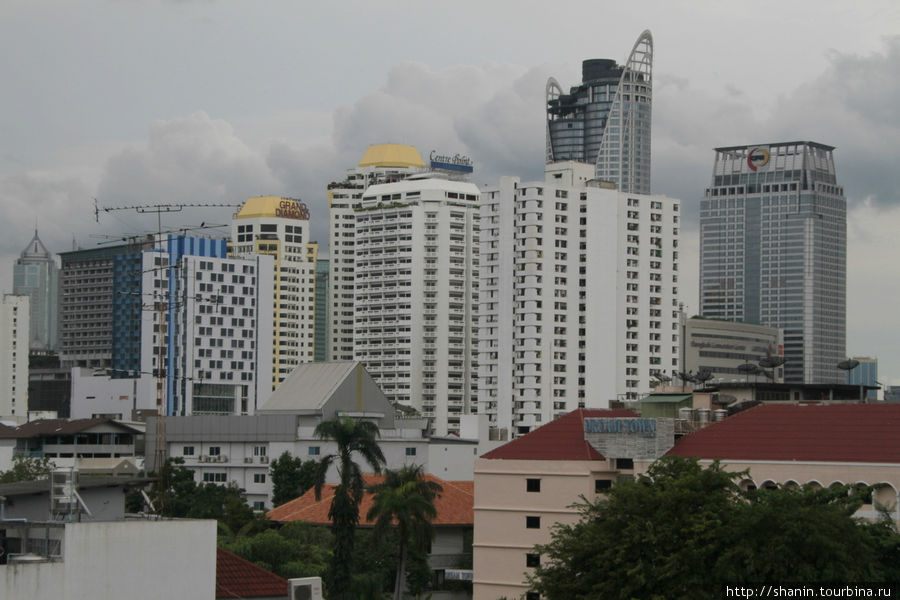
x: 141, y: 123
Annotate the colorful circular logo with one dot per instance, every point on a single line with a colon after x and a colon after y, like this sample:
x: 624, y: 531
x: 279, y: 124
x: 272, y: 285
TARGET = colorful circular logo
x: 757, y: 157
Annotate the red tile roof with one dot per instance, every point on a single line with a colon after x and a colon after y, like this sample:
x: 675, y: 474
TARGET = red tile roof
x: 239, y: 578
x: 560, y: 439
x: 454, y: 505
x: 833, y: 433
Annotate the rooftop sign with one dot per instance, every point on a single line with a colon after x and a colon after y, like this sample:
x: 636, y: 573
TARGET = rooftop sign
x: 291, y: 209
x: 643, y: 439
x: 445, y: 162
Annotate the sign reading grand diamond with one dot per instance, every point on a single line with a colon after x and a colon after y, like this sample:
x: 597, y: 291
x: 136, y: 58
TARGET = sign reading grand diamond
x: 618, y: 437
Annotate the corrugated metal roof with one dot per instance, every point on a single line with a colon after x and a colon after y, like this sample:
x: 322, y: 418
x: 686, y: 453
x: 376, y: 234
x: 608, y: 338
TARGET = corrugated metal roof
x: 666, y: 398
x: 43, y: 427
x: 309, y: 387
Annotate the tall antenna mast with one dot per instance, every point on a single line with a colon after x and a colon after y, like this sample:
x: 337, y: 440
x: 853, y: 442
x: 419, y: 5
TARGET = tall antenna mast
x: 160, y: 306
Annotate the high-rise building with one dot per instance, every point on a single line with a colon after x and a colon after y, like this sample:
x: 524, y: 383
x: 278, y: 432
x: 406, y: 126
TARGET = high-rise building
x: 218, y: 329
x: 36, y: 275
x: 577, y: 297
x: 416, y: 294
x: 14, y: 333
x: 321, y: 310
x: 279, y: 227
x: 100, y: 306
x: 381, y: 163
x: 188, y: 324
x: 773, y: 251
x: 865, y: 373
x: 605, y: 120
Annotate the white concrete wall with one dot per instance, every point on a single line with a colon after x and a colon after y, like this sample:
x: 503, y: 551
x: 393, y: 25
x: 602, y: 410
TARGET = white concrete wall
x: 14, y: 333
x: 129, y: 559
x: 98, y: 393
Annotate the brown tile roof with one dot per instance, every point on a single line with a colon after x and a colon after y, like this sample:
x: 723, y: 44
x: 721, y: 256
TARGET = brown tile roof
x: 454, y: 505
x: 239, y: 578
x: 832, y: 433
x: 43, y: 427
x: 560, y: 439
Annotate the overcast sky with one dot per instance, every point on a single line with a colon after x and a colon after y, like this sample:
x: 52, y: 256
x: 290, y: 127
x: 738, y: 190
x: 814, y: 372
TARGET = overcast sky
x: 144, y: 102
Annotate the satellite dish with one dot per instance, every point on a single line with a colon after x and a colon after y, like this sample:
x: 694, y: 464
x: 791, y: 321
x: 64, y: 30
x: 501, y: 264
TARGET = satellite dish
x: 703, y: 375
x: 848, y: 365
x: 749, y: 369
x: 771, y: 362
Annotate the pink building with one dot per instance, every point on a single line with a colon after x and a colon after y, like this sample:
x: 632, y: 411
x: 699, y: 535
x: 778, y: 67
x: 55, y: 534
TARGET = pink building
x: 525, y: 487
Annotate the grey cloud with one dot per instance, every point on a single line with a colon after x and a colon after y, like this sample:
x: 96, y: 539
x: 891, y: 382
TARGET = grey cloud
x: 189, y: 159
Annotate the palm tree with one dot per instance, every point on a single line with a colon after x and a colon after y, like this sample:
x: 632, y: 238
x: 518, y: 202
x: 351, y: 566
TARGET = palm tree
x: 351, y: 436
x: 405, y: 499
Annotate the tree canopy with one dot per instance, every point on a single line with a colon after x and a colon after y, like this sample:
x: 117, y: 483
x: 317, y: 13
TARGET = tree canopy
x: 353, y: 438
x: 681, y: 531
x: 27, y: 469
x: 405, y: 500
x: 291, y: 477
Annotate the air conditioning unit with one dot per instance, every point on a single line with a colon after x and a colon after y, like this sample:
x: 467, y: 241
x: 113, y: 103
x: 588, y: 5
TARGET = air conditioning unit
x: 223, y: 458
x: 204, y: 458
x: 305, y: 588
x: 248, y: 459
x: 264, y: 459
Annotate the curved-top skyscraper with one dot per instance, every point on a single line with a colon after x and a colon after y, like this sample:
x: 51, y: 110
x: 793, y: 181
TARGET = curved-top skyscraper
x: 606, y: 119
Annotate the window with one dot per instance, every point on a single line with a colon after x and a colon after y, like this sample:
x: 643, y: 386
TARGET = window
x: 187, y: 451
x: 532, y: 485
x: 532, y: 522
x: 259, y: 450
x: 624, y: 463
x: 215, y: 450
x: 532, y: 560
x: 215, y: 477
x: 313, y: 451
x: 259, y: 505
x: 259, y: 478
x: 410, y: 451
x: 601, y: 486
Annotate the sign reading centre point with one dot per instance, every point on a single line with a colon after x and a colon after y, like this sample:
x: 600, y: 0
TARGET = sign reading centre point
x: 624, y: 437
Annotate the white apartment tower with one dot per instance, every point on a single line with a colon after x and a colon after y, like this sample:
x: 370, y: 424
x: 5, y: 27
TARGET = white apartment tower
x: 578, y: 300
x: 381, y: 163
x: 279, y: 227
x: 14, y: 331
x: 416, y: 296
x: 216, y: 316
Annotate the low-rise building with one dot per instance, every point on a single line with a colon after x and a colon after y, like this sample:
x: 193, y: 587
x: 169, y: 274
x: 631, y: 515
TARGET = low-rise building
x: 224, y: 449
x: 818, y: 445
x: 721, y: 347
x: 525, y: 487
x: 452, y: 524
x: 90, y: 445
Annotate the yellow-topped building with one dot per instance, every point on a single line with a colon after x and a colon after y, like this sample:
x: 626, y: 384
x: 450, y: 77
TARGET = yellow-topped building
x: 381, y: 163
x: 391, y: 155
x: 279, y: 227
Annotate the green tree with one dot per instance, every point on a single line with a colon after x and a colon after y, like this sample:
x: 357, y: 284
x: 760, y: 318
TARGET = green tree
x: 174, y: 493
x: 26, y: 468
x: 353, y: 437
x: 682, y: 530
x: 405, y: 500
x: 291, y: 477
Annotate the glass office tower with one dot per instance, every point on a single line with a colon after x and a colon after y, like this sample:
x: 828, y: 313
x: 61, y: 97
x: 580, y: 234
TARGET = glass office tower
x: 773, y: 251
